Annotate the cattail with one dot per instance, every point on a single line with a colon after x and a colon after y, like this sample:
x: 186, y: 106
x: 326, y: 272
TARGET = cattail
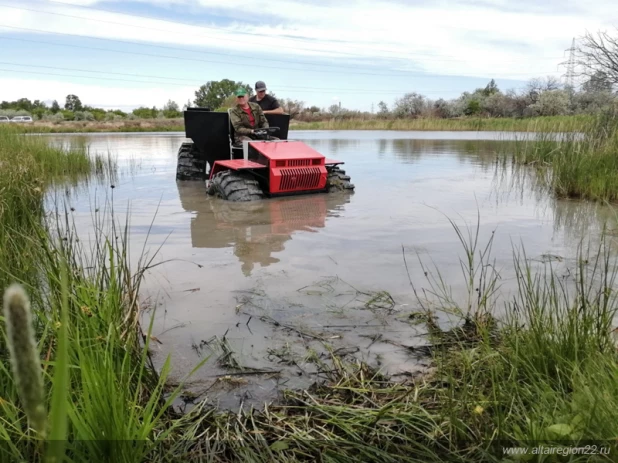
x: 25, y: 360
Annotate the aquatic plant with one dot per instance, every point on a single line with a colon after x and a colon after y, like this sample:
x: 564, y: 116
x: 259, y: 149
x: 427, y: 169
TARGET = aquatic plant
x: 25, y: 360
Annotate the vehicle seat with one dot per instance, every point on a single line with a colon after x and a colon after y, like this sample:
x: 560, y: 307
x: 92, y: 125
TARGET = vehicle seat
x: 236, y: 150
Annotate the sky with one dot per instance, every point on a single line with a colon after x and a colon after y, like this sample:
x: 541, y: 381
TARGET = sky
x: 126, y: 54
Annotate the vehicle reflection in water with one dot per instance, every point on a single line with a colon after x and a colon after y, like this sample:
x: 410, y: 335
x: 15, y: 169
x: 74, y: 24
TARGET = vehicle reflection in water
x: 255, y: 230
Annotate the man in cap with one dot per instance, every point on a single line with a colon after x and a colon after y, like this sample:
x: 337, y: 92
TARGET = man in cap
x: 269, y: 104
x: 246, y: 118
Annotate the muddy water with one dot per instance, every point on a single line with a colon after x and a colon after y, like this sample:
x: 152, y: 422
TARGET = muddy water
x: 279, y: 278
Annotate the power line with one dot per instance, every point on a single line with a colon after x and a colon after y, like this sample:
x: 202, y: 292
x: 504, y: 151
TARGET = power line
x: 404, y: 73
x: 193, y: 81
x: 301, y: 89
x: 208, y: 36
x: 221, y: 29
x: 163, y: 30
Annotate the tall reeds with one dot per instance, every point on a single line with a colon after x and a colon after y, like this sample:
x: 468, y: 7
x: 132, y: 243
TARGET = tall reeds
x: 535, y: 124
x: 103, y: 395
x: 579, y: 165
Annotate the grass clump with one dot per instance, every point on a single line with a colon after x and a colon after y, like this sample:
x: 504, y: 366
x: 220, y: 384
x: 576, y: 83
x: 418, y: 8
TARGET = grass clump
x: 106, y: 401
x: 544, y: 373
x: 577, y: 165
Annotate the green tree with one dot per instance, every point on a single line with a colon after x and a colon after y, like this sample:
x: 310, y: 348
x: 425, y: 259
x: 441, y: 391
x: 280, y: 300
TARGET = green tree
x: 598, y: 82
x: 292, y: 107
x: 229, y: 102
x: 38, y: 112
x: 24, y: 103
x: 473, y: 107
x: 171, y: 109
x: 410, y: 105
x: 68, y: 115
x: 146, y: 113
x: 491, y: 88
x: 55, y: 107
x: 383, y: 109
x: 38, y: 104
x: 73, y: 103
x: 213, y: 93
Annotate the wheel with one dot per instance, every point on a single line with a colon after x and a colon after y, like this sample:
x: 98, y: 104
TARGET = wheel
x: 189, y: 166
x: 337, y: 180
x: 235, y: 186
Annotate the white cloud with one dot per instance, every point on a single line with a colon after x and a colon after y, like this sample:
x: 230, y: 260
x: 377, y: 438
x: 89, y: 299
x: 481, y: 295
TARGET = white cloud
x: 445, y: 37
x: 450, y: 38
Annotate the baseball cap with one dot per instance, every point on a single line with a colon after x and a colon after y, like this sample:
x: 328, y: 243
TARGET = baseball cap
x: 241, y: 91
x: 259, y: 86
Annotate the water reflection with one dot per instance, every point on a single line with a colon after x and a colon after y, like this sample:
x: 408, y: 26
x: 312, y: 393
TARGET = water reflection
x: 255, y: 230
x: 411, y: 151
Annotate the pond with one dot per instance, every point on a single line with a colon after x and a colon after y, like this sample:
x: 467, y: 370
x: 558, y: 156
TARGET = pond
x: 277, y: 280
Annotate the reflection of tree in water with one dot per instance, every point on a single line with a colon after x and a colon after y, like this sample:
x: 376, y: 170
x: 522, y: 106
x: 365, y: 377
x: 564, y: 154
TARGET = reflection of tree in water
x: 576, y: 219
x: 478, y: 152
x: 580, y: 219
x: 382, y: 145
x: 332, y: 146
x: 255, y: 229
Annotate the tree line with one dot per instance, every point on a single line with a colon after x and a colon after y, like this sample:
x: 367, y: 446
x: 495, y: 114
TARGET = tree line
x: 74, y: 110
x: 540, y: 97
x: 596, y: 63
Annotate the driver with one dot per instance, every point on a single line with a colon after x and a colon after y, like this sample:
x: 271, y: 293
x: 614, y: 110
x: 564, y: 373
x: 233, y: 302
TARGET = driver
x: 246, y: 118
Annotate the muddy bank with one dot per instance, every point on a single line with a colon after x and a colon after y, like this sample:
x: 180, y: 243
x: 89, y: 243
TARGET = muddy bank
x: 281, y: 343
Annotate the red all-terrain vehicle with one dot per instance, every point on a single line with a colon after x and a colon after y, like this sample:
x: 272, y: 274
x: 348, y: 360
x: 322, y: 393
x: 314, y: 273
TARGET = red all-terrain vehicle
x: 258, y: 169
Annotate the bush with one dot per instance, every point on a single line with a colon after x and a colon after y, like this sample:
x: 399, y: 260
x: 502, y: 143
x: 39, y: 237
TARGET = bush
x: 145, y: 113
x: 473, y: 107
x: 11, y: 113
x: 552, y: 103
x: 84, y: 116
x: 68, y: 115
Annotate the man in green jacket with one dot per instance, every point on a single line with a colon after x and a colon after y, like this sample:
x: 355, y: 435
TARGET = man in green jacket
x: 246, y: 118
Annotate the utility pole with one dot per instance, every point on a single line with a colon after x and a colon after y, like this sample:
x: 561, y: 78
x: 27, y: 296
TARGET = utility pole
x: 570, y: 73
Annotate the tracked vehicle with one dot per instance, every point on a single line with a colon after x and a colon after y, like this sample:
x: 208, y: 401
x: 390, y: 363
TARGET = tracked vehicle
x: 257, y: 169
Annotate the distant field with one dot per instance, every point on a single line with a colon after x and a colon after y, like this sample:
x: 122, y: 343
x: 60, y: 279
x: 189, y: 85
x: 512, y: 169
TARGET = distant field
x: 139, y: 125
x: 542, y: 124
x: 555, y: 123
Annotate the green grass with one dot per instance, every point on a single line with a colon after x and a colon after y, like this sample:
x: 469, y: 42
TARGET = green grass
x: 105, y: 398
x: 578, y: 166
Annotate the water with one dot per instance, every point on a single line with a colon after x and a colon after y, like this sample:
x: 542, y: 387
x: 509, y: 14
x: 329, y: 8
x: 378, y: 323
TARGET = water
x: 314, y: 263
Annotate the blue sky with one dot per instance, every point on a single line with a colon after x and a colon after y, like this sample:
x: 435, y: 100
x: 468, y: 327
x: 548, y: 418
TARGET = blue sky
x: 359, y: 52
